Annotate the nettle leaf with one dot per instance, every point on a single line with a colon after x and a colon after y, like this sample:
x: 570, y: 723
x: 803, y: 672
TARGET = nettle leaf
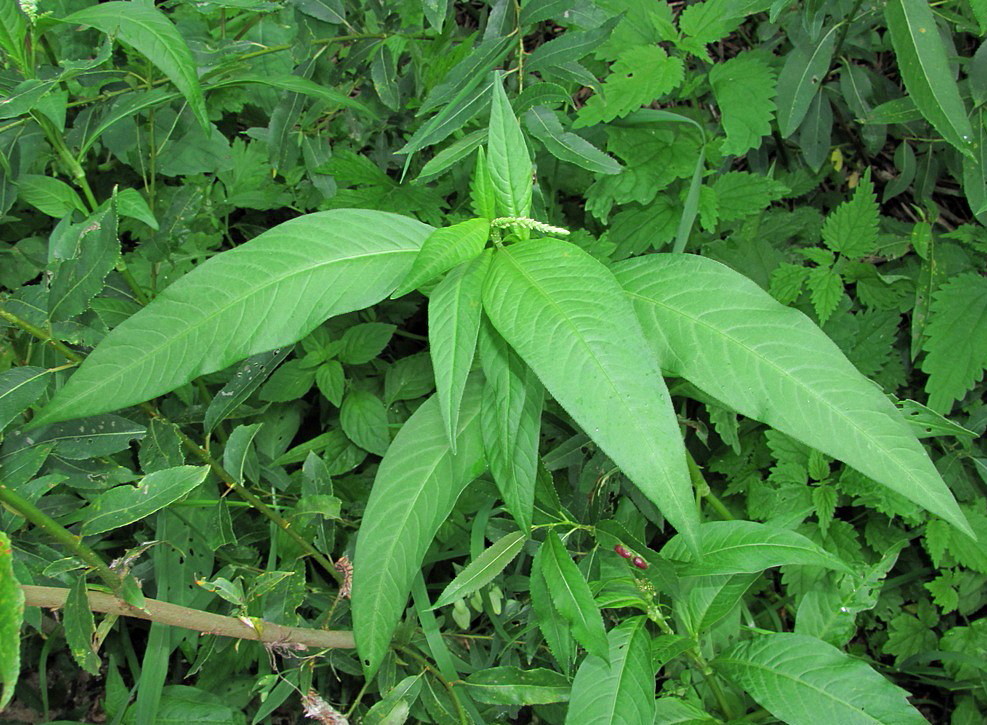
x: 924, y: 66
x: 851, y: 229
x: 640, y: 75
x: 747, y: 547
x: 569, y: 319
x: 801, y: 77
x: 825, y: 290
x: 264, y: 294
x: 697, y: 314
x: 454, y: 314
x: 151, y: 32
x: 801, y: 679
x: 417, y: 484
x: 443, y: 249
x: 740, y: 194
x: 744, y: 87
x: 11, y: 618
x: 508, y: 162
x: 482, y: 570
x: 621, y: 691
x: 956, y: 340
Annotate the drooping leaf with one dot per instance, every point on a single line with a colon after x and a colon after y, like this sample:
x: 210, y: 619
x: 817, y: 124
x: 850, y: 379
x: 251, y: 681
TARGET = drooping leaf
x: 802, y: 679
x: 567, y: 318
x: 11, y: 618
x: 80, y: 626
x: 924, y: 66
x: 545, y: 126
x: 507, y: 156
x: 801, y: 77
x: 443, y: 249
x: 510, y: 685
x: 744, y: 87
x: 125, y: 504
x: 699, y: 317
x: 622, y: 691
x: 264, y: 294
x: 151, y: 32
x: 454, y: 314
x: 417, y: 484
x: 482, y: 570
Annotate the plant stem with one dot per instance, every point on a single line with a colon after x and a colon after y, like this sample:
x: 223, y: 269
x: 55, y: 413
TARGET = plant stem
x: 22, y: 507
x: 195, y: 619
x: 41, y: 335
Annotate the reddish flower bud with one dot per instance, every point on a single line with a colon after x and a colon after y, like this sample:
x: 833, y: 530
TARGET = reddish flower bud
x: 622, y: 551
x: 639, y: 562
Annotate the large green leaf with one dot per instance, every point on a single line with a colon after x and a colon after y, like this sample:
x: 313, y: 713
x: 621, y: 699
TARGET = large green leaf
x: 417, y: 484
x: 924, y: 67
x: 11, y: 617
x: 623, y: 691
x: 153, y: 35
x: 264, y: 294
x: 802, y: 679
x: 571, y: 322
x: 507, y: 159
x: 727, y: 336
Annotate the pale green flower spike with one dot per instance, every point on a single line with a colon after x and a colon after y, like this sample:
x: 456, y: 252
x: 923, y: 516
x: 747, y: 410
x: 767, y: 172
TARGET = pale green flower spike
x: 30, y: 8
x: 528, y: 223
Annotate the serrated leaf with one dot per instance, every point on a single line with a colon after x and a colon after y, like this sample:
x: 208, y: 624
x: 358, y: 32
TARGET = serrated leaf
x: 571, y: 596
x: 825, y: 290
x: 851, y: 229
x: 740, y: 194
x: 11, y: 618
x: 80, y: 626
x: 747, y: 547
x: 924, y: 67
x: 363, y: 418
x: 622, y: 691
x: 482, y: 570
x: 640, y: 75
x: 801, y: 679
x: 956, y: 340
x: 568, y: 318
x: 454, y: 313
x: 254, y: 298
x: 544, y: 125
x: 126, y: 504
x: 19, y: 387
x: 697, y: 313
x: 331, y: 381
x: 510, y: 685
x: 553, y: 626
x: 801, y: 77
x: 416, y: 486
x: 509, y: 164
x: 744, y: 87
x: 151, y: 32
x: 444, y: 249
x: 76, y: 281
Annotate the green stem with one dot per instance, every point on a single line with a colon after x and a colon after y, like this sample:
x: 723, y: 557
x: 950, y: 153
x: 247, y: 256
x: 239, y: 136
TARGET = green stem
x: 41, y: 335
x: 22, y: 507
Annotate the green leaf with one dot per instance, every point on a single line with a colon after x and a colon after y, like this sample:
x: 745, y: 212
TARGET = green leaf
x: 571, y: 595
x: 11, y: 618
x: 747, y: 547
x: 77, y: 280
x: 362, y: 343
x: 568, y: 318
x: 508, y: 163
x: 697, y: 314
x: 924, y: 67
x: 416, y: 486
x: 19, y: 387
x: 131, y: 204
x: 552, y: 624
x: 640, y: 75
x: 510, y: 685
x: 622, y: 691
x: 304, y: 86
x: 454, y: 313
x: 49, y: 195
x: 331, y: 381
x: 126, y: 504
x: 801, y: 679
x: 744, y: 87
x: 851, y: 229
x: 154, y: 36
x: 825, y: 289
x: 248, y: 377
x: 511, y: 423
x: 482, y: 195
x: 803, y: 73
x: 544, y: 125
x: 363, y: 418
x: 99, y: 435
x: 444, y: 249
x: 452, y: 154
x: 482, y: 570
x: 264, y: 294
x: 239, y: 453
x: 740, y: 194
x: 710, y: 598
x: 956, y: 342
x: 80, y: 627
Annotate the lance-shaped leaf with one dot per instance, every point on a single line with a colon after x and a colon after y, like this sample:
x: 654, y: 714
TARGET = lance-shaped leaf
x: 622, y: 691
x: 568, y: 318
x: 925, y: 70
x: 19, y: 387
x: 544, y: 125
x: 264, y: 294
x: 443, y: 249
x: 801, y: 78
x: 154, y: 36
x: 802, y: 679
x: 508, y: 160
x: 454, y: 314
x: 513, y: 686
x: 482, y: 570
x: 728, y: 337
x: 571, y: 595
x: 417, y: 484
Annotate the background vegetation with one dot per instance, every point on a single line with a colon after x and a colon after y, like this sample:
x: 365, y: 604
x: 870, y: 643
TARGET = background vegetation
x: 832, y: 152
